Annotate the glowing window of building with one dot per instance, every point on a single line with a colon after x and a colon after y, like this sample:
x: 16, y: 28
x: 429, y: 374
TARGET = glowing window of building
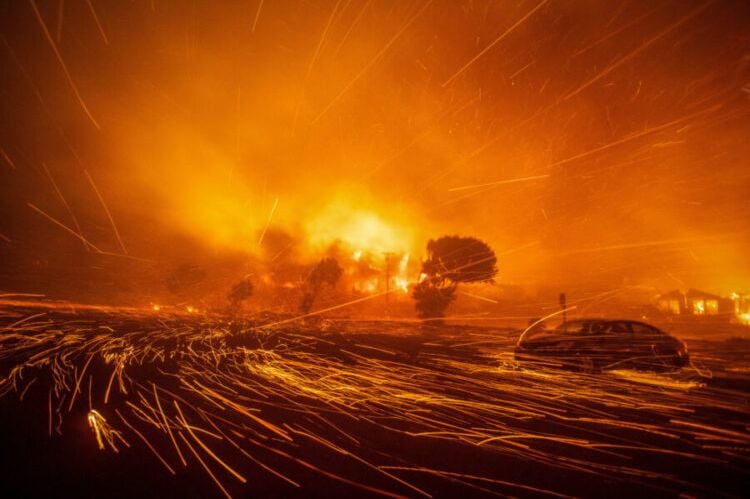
x: 674, y: 306
x: 699, y: 307
x: 712, y: 307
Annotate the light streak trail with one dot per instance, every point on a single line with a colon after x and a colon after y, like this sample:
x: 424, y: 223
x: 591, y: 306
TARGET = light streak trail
x: 634, y: 53
x: 106, y: 210
x: 64, y: 67
x: 205, y: 467
x: 636, y: 135
x: 329, y: 309
x: 64, y: 227
x: 5, y: 155
x: 298, y: 391
x: 371, y: 63
x: 478, y: 297
x: 63, y: 201
x: 495, y: 42
x: 354, y: 23
x: 499, y: 182
x: 148, y: 444
x: 613, y: 33
x: 205, y: 447
x: 268, y: 222
x: 257, y: 15
x: 60, y: 18
x: 646, y: 244
x: 77, y: 387
x: 98, y: 23
x: 167, y: 426
x: 322, y: 40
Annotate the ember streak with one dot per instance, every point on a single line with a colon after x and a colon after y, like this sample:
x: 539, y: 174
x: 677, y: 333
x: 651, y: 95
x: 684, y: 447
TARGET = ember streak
x: 216, y: 221
x: 248, y: 402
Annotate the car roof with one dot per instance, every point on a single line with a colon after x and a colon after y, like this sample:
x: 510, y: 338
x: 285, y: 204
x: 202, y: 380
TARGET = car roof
x: 604, y: 321
x: 580, y: 321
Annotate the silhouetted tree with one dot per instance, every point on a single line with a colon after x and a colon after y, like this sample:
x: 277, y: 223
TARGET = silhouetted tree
x: 239, y: 293
x: 431, y: 301
x: 326, y: 272
x: 451, y: 260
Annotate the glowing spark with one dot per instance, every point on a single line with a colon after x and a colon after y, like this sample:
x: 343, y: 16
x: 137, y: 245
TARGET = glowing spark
x: 637, y: 51
x: 62, y: 64
x: 322, y: 311
x: 7, y: 158
x: 268, y: 221
x: 498, y: 182
x: 98, y: 24
x: 351, y: 27
x: 60, y: 17
x: 497, y: 40
x: 63, y: 226
x: 63, y: 201
x: 106, y: 210
x: 257, y: 15
x: 372, y: 62
x: 206, y: 448
x: 644, y: 244
x: 205, y: 467
x: 104, y: 433
x: 483, y: 298
x: 148, y: 444
x: 322, y: 39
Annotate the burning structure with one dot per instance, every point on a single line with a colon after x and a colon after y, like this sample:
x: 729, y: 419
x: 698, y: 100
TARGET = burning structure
x: 694, y: 302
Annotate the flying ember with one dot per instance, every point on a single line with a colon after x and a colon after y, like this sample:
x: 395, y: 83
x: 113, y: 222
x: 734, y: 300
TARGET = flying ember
x: 417, y: 248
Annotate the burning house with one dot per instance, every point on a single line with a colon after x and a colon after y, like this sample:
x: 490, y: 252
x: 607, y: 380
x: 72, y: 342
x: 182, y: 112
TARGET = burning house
x: 695, y: 303
x: 742, y: 307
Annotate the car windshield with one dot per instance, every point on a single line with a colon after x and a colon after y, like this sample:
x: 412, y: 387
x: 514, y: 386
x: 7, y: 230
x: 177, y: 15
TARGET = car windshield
x: 595, y: 327
x: 574, y: 327
x: 640, y: 328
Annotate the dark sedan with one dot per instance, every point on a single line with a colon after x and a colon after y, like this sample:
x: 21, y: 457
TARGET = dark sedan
x: 592, y: 345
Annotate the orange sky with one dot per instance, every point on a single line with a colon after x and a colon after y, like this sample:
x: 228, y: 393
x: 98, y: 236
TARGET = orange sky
x: 592, y: 144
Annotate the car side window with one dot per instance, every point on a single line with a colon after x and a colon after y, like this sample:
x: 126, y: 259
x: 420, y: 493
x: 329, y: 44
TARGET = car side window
x: 574, y: 327
x: 621, y: 327
x: 599, y: 328
x: 644, y: 329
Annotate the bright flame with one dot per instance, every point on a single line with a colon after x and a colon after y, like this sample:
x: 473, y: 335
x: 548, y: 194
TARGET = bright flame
x: 362, y: 231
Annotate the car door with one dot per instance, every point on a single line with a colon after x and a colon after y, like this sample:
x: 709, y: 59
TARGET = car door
x: 621, y: 346
x: 652, y: 342
x: 591, y: 340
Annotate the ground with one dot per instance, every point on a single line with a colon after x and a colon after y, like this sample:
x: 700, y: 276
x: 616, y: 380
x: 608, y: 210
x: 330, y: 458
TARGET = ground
x: 123, y: 403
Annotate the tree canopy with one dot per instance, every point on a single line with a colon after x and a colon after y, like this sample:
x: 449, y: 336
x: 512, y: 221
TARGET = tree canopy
x: 451, y: 260
x: 326, y: 272
x: 460, y: 259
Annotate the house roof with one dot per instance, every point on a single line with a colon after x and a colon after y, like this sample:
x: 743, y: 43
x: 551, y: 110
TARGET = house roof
x: 690, y: 294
